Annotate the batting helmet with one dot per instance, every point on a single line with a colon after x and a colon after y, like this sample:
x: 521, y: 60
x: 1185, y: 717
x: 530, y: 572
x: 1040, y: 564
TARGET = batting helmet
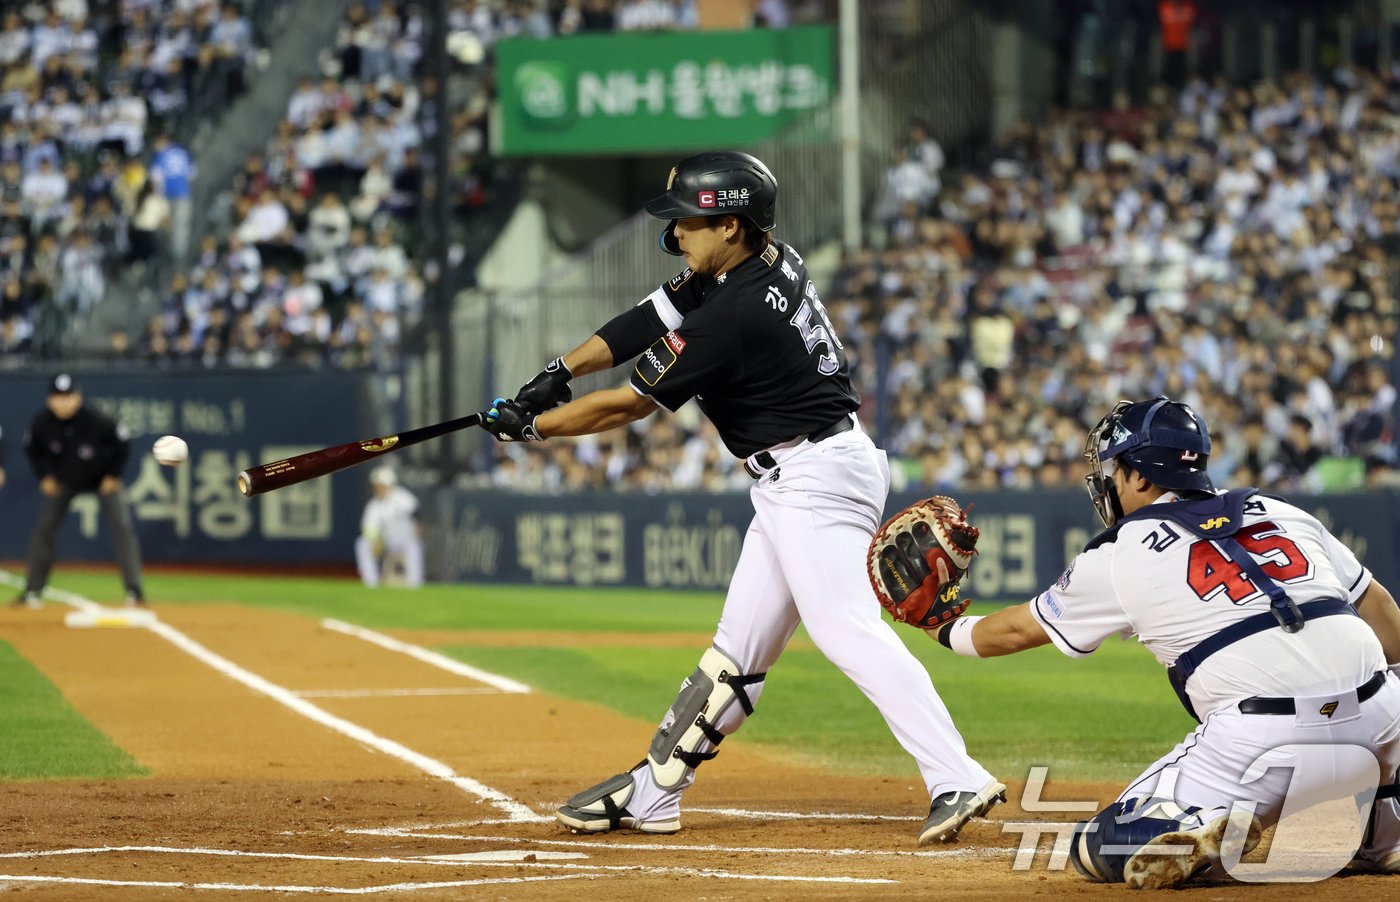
x: 1164, y: 440
x: 721, y: 181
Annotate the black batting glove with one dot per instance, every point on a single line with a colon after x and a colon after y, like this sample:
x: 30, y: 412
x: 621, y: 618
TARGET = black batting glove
x: 509, y: 422
x: 547, y: 390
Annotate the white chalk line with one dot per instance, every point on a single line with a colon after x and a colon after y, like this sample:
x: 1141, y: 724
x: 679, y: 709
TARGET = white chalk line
x: 60, y: 595
x: 748, y: 814
x: 490, y: 857
x: 456, y: 860
x: 503, y: 683
x: 431, y: 766
x: 294, y: 888
x: 427, y: 765
x: 394, y: 693
x: 409, y: 833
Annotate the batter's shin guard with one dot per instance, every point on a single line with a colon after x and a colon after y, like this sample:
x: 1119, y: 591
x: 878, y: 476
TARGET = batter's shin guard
x: 696, y: 722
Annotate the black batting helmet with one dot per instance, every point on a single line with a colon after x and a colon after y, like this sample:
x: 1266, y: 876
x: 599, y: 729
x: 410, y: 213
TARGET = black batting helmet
x: 721, y: 181
x: 1164, y: 440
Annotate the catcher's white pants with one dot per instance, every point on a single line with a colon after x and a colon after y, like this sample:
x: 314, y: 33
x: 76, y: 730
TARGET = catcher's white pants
x: 408, y: 548
x: 804, y: 560
x: 1284, y: 764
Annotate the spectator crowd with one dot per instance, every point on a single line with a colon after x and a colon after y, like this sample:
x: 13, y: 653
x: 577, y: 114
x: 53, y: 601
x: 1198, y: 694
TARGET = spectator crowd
x: 84, y: 85
x: 314, y: 266
x: 1229, y: 246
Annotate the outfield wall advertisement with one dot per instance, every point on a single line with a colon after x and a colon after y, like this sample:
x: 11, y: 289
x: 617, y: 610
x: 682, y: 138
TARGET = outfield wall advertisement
x: 625, y: 93
x: 692, y: 541
x: 194, y: 513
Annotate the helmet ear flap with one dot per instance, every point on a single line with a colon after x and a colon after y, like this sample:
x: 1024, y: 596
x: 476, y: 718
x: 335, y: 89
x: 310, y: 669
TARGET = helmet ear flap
x: 669, y: 244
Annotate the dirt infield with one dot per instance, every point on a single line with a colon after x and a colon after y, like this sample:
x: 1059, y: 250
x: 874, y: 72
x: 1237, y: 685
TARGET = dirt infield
x: 288, y: 757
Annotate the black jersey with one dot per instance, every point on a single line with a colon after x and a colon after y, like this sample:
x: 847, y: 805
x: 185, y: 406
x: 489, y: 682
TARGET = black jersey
x: 79, y: 451
x: 754, y: 347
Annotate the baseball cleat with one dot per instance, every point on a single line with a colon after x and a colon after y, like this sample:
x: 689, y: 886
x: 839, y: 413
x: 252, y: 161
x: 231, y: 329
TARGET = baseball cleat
x: 951, y: 811
x: 1387, y: 864
x: 28, y: 600
x: 603, y: 808
x: 1173, y: 858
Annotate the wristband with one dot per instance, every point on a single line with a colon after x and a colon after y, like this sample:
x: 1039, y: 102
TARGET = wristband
x: 960, y: 636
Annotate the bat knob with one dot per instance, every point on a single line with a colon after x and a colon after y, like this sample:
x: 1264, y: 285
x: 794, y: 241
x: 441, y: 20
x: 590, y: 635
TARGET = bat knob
x: 244, y: 485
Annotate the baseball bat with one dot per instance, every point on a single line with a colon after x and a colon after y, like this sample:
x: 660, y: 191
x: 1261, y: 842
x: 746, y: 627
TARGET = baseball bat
x: 282, y: 473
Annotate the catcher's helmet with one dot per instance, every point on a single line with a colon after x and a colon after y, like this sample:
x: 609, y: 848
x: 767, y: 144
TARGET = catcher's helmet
x: 721, y: 181
x: 1164, y: 440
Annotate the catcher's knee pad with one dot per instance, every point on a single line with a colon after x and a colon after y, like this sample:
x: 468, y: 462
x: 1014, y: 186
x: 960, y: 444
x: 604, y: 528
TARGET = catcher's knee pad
x: 694, y: 721
x: 1103, y: 844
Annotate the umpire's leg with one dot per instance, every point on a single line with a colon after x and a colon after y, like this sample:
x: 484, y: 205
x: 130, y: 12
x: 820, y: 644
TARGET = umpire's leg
x: 44, y: 541
x: 118, y: 515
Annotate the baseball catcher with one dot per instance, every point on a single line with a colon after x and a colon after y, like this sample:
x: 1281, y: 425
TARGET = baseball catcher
x: 917, y: 560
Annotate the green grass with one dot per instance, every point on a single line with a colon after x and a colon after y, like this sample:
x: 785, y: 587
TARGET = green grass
x: 1104, y: 718
x: 42, y: 737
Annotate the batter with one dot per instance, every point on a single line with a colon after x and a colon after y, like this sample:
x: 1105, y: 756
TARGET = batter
x: 1275, y: 637
x: 743, y: 331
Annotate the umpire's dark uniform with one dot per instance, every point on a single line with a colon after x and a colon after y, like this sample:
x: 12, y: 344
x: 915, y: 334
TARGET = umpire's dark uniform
x: 78, y: 448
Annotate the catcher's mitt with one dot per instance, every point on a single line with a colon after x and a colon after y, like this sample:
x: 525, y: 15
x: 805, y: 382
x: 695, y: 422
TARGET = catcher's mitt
x: 917, y: 559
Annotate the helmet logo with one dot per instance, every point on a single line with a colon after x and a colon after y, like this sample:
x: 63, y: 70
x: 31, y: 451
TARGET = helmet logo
x: 1215, y: 523
x: 705, y: 199
x: 733, y: 197
x: 1190, y: 456
x: 1120, y: 433
x: 671, y: 179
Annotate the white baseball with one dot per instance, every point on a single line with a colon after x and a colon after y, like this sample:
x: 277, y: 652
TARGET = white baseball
x: 170, y: 450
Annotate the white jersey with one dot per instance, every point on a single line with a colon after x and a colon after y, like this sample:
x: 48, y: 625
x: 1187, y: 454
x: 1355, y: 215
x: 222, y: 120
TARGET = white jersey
x: 390, y: 517
x: 1174, y: 591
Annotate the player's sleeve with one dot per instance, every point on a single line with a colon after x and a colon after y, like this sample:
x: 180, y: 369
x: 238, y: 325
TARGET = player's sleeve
x: 629, y: 333
x: 118, y: 441
x: 686, y: 362
x: 1354, y: 576
x: 1081, y: 609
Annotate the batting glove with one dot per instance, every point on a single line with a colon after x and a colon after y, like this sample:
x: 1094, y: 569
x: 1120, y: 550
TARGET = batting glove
x: 547, y: 390
x: 509, y: 422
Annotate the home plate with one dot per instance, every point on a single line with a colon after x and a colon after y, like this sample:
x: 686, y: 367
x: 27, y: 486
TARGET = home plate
x: 109, y: 617
x: 507, y: 855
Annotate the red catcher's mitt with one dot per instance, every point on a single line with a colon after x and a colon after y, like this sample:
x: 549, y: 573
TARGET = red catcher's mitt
x: 917, y: 559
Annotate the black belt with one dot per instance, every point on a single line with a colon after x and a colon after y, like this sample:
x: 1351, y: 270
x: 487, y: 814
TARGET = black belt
x: 845, y: 424
x: 1261, y: 705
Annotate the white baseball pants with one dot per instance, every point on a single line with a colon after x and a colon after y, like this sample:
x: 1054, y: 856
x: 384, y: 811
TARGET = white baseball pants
x: 803, y: 560
x: 409, y: 548
x: 1283, y: 764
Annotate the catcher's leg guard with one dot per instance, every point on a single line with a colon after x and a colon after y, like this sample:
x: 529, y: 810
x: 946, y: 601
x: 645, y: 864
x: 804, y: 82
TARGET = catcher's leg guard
x: 603, y: 807
x: 692, y: 727
x: 1156, y: 846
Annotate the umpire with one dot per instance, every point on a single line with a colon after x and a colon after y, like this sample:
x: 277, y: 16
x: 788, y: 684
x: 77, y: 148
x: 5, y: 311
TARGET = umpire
x: 74, y: 449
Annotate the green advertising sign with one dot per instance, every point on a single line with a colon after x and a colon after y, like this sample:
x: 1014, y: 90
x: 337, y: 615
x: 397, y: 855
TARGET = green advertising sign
x: 658, y: 91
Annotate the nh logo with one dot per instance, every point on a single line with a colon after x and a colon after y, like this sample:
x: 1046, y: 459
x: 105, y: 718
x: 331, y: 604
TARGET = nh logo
x: 1215, y: 522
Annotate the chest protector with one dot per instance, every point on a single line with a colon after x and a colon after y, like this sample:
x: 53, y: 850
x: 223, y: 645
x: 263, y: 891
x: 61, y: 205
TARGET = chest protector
x: 1216, y: 519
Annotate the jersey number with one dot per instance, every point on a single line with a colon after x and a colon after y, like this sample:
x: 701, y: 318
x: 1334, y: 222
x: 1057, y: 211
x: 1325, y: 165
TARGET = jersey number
x: 1210, y: 572
x: 819, y: 332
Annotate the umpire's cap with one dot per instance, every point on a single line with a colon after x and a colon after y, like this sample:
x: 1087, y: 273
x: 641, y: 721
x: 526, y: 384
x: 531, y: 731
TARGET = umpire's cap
x: 63, y: 384
x: 717, y: 182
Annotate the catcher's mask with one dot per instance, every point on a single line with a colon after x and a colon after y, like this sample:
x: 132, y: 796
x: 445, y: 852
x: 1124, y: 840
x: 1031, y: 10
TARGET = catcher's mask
x: 723, y: 181
x: 1164, y: 440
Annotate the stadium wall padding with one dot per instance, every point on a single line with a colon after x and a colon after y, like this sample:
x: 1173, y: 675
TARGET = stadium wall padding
x: 194, y: 513
x: 692, y: 541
